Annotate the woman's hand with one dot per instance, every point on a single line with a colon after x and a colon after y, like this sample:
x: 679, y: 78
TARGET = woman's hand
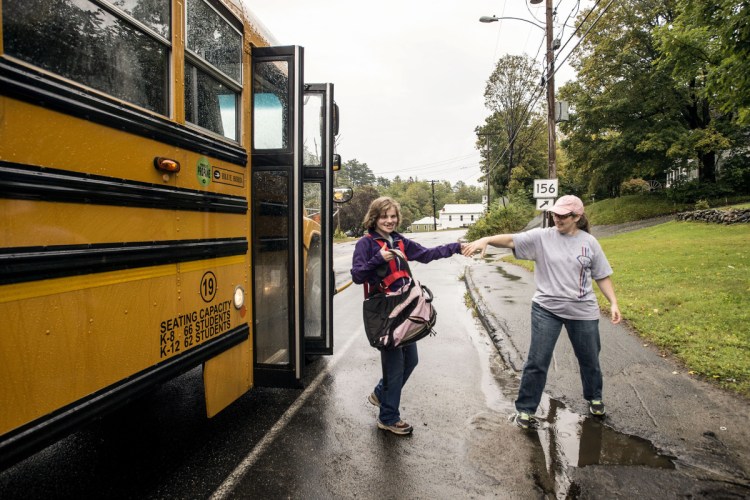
x: 615, y: 315
x: 469, y: 249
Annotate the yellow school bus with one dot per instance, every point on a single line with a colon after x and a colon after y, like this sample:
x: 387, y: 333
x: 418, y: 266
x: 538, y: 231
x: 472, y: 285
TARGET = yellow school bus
x: 165, y: 203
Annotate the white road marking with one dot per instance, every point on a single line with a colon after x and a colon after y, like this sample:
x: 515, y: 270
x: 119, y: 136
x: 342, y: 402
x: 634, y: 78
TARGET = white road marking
x: 239, y: 472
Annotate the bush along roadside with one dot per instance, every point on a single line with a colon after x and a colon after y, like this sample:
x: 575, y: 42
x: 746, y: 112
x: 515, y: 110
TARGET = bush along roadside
x: 715, y: 216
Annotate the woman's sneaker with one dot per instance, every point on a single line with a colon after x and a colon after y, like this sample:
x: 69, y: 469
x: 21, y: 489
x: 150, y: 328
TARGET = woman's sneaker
x: 401, y: 428
x: 523, y: 420
x: 596, y: 407
x: 373, y: 399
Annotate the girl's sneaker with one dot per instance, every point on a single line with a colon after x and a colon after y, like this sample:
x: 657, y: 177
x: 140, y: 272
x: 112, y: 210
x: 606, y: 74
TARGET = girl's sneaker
x: 373, y: 399
x: 401, y: 428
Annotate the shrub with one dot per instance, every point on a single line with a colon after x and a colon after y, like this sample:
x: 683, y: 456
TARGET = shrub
x: 500, y: 220
x: 702, y: 205
x: 694, y: 190
x: 634, y: 186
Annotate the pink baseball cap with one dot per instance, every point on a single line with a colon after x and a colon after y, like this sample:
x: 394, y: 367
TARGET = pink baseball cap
x: 568, y: 204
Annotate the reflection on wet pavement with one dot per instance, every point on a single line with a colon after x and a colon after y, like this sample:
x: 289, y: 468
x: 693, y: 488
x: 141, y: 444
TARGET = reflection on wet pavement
x: 568, y: 439
x: 506, y: 274
x: 587, y: 440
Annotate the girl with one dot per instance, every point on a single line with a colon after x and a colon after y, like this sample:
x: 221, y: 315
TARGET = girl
x: 372, y: 264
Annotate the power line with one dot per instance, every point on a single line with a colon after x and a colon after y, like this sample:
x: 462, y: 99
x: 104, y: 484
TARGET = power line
x: 425, y: 166
x: 604, y: 11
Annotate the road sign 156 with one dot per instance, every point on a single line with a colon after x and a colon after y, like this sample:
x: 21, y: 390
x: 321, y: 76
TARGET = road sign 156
x: 545, y: 188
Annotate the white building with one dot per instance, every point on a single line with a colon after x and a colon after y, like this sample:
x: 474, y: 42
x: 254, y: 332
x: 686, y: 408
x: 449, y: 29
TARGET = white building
x: 424, y: 224
x: 460, y: 215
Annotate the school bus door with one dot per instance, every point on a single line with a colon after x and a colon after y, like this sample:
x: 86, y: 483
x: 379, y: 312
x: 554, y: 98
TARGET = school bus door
x: 292, y: 197
x: 319, y: 129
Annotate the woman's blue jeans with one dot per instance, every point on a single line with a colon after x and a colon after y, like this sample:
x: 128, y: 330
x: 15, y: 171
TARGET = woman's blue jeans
x: 545, y: 330
x: 397, y: 366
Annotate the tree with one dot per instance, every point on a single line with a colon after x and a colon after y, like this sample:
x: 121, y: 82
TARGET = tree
x: 633, y: 116
x: 351, y: 214
x: 514, y: 128
x: 383, y: 182
x: 627, y: 110
x: 356, y: 174
x: 464, y: 193
x: 710, y: 39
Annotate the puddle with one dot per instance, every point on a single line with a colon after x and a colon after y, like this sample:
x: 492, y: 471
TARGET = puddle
x: 506, y: 274
x: 588, y: 441
x: 568, y: 439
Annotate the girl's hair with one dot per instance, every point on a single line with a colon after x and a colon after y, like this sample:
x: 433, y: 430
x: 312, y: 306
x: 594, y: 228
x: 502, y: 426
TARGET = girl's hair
x: 583, y: 224
x: 380, y: 206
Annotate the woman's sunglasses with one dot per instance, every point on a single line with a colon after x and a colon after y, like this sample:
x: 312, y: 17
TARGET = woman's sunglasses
x: 558, y: 216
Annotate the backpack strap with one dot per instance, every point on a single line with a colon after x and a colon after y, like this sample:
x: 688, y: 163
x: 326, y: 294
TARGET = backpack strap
x: 395, y: 272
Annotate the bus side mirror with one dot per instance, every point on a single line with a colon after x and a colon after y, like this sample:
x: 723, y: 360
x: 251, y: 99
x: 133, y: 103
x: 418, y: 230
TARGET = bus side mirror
x: 342, y: 194
x: 336, y: 162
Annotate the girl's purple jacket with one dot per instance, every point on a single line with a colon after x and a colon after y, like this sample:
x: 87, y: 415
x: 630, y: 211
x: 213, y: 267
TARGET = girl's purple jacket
x: 368, y: 266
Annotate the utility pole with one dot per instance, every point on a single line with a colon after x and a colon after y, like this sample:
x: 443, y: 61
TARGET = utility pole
x: 434, y: 217
x: 550, y: 78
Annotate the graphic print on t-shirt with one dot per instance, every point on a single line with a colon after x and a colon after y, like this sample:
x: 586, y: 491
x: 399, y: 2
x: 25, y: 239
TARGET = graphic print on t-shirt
x: 585, y: 260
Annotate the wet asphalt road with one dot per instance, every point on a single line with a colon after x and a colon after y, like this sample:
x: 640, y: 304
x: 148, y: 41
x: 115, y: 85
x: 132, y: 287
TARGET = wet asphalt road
x: 322, y: 442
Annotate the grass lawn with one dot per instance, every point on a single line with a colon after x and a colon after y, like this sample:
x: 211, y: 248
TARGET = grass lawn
x: 685, y: 287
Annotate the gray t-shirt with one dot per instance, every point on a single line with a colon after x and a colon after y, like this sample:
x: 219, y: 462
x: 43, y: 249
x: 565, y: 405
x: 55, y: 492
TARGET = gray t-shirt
x: 563, y: 269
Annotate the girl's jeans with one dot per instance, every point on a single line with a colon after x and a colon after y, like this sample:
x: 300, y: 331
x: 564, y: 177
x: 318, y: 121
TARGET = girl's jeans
x: 545, y: 329
x: 397, y: 366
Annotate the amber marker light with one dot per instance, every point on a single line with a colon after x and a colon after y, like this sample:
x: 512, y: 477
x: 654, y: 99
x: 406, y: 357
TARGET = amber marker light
x: 166, y: 165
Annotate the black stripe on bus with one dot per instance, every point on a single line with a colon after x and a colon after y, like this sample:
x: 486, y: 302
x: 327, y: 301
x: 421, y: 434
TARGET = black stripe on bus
x: 32, y: 437
x: 30, y: 182
x: 23, y: 264
x: 35, y: 87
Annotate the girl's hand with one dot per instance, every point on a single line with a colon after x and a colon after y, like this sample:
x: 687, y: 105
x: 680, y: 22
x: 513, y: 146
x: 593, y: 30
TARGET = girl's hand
x: 386, y: 254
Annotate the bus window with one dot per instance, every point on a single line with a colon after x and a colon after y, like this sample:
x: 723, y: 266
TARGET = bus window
x: 213, y: 70
x: 313, y: 258
x: 271, y: 240
x: 209, y: 104
x: 270, y: 88
x: 152, y: 13
x: 314, y: 130
x: 213, y: 39
x: 94, y: 46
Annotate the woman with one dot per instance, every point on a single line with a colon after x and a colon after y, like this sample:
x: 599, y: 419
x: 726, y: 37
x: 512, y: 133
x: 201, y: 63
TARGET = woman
x: 566, y: 257
x: 373, y: 265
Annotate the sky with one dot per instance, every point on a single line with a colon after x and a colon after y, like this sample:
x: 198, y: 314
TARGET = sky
x: 409, y: 75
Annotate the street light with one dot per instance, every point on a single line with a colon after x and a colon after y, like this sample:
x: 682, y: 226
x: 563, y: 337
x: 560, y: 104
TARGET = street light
x: 492, y: 19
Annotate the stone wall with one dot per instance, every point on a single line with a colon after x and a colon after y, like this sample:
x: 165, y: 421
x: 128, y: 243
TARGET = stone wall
x: 717, y: 216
